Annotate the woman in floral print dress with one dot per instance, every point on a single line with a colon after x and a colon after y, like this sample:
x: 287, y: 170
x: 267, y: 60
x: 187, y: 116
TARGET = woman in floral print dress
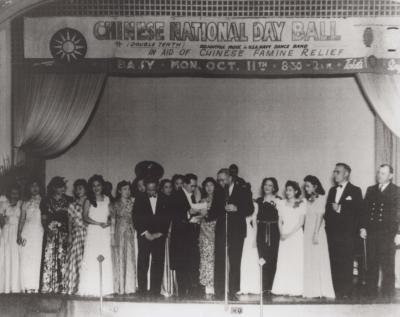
x: 77, y: 229
x: 54, y: 210
x: 123, y: 238
x: 215, y: 205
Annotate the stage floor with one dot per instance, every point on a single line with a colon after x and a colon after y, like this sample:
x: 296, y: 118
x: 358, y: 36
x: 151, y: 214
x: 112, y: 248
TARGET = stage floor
x: 35, y: 305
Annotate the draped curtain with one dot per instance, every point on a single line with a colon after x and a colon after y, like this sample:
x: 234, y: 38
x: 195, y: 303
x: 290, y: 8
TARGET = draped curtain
x: 383, y: 95
x: 51, y: 111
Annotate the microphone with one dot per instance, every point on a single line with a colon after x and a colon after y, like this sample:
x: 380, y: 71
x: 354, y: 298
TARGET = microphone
x: 100, y: 258
x: 226, y: 189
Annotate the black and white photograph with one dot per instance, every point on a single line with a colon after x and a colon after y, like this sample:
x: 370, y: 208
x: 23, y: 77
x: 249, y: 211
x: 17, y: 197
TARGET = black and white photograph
x: 199, y: 158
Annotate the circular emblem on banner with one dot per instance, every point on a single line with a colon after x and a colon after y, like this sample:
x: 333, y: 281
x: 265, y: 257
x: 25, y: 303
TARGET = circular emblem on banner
x: 68, y: 45
x: 368, y: 37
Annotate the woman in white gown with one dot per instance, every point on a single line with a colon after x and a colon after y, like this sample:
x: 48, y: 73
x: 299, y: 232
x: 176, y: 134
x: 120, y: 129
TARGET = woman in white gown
x: 10, y: 279
x: 289, y: 275
x: 96, y: 214
x: 249, y: 268
x: 30, y: 238
x: 317, y: 267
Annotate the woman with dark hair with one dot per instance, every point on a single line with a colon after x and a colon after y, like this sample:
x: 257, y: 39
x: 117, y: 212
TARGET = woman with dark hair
x: 317, y: 268
x: 215, y: 206
x: 10, y: 279
x: 138, y: 186
x: 108, y: 188
x: 268, y: 230
x: 77, y: 235
x: 289, y: 270
x: 168, y: 286
x: 96, y: 213
x: 54, y: 209
x: 30, y: 239
x: 177, y: 181
x: 166, y: 187
x: 123, y: 240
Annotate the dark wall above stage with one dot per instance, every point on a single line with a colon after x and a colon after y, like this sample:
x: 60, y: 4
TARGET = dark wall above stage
x: 233, y: 8
x: 281, y: 127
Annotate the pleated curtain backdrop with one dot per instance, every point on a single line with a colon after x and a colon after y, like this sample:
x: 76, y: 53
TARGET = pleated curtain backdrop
x: 52, y: 110
x: 382, y: 92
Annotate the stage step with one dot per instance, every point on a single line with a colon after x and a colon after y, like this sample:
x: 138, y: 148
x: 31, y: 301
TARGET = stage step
x: 62, y: 306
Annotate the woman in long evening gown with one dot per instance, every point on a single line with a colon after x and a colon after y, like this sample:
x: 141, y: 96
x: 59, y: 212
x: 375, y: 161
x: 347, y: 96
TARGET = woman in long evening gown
x: 168, y: 286
x: 249, y: 267
x: 215, y: 205
x: 54, y: 210
x: 289, y: 272
x: 97, y: 250
x: 317, y: 268
x: 10, y: 279
x: 30, y: 239
x: 268, y: 231
x: 77, y: 231
x: 123, y: 234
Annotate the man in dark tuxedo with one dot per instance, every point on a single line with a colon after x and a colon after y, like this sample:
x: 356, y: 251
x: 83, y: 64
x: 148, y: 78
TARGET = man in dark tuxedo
x: 342, y: 212
x: 239, y: 205
x: 379, y: 226
x: 184, y: 245
x: 151, y: 216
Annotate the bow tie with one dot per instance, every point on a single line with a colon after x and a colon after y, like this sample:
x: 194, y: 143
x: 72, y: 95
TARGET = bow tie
x: 339, y: 186
x: 153, y: 196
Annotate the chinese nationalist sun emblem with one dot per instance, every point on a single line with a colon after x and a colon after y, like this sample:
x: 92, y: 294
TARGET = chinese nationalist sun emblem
x: 68, y: 45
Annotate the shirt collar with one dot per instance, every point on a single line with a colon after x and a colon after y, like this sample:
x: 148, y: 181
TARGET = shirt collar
x: 344, y: 184
x: 186, y: 192
x: 383, y: 186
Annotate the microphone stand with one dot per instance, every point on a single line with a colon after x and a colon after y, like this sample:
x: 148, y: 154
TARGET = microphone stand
x: 261, y: 290
x: 100, y: 258
x: 226, y: 251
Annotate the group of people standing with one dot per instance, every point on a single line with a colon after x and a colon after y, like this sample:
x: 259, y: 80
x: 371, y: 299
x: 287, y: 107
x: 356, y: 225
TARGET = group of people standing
x: 174, y: 237
x: 307, y: 246
x: 291, y: 239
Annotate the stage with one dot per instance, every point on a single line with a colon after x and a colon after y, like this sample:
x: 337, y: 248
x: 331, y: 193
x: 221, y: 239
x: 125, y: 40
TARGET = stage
x: 121, y: 306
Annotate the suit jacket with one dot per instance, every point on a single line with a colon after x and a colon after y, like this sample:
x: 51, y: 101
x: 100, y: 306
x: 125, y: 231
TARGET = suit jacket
x: 184, y: 235
x: 145, y: 220
x: 242, y: 198
x: 346, y: 221
x: 381, y: 210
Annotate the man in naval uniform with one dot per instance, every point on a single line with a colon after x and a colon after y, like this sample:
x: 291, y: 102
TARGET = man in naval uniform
x: 380, y: 222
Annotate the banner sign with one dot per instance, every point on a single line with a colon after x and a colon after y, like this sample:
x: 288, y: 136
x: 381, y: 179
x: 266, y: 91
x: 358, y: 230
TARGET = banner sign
x: 214, y: 45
